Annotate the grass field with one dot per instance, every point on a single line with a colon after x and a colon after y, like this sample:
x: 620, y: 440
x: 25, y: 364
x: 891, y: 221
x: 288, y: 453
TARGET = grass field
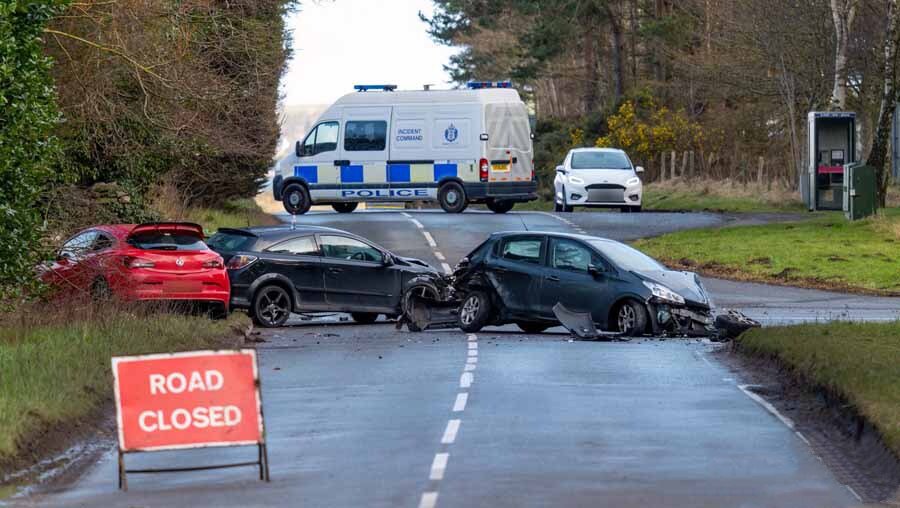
x: 824, y: 252
x: 57, y: 374
x: 859, y: 362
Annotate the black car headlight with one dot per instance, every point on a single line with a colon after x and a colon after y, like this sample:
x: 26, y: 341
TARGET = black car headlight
x: 663, y: 293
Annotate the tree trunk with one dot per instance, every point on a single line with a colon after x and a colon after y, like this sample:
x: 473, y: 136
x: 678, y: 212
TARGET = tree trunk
x: 617, y: 42
x: 842, y: 14
x: 591, y: 72
x: 878, y: 154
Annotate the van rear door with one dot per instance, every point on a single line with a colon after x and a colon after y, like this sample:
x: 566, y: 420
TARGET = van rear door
x: 364, y: 153
x: 509, y: 142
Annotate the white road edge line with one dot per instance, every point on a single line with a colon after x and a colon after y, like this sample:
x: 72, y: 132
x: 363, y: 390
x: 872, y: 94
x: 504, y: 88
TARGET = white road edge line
x: 438, y: 466
x: 473, y: 352
x: 460, y: 404
x: 769, y: 407
x: 469, y: 367
x: 857, y: 496
x: 440, y: 256
x: 429, y: 239
x: 472, y: 359
x: 450, y: 432
x: 466, y: 379
x: 473, y: 345
x: 408, y: 216
x: 429, y: 500
x: 417, y: 223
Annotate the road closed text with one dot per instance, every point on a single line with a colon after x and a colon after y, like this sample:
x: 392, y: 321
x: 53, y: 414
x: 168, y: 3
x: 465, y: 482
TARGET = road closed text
x: 182, y: 418
x: 187, y: 399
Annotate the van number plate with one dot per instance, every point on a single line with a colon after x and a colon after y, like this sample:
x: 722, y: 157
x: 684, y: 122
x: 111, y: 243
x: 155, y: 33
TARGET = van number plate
x: 500, y: 167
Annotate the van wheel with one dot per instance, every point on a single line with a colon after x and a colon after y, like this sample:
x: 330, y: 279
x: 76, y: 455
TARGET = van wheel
x: 344, y: 207
x: 296, y: 200
x: 452, y: 197
x: 500, y: 206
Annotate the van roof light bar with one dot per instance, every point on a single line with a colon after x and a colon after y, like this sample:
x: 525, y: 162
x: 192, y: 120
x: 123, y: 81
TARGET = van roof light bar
x: 477, y: 85
x: 366, y: 88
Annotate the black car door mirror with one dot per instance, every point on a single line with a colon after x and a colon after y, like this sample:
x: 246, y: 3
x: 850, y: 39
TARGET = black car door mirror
x: 596, y: 270
x: 386, y: 259
x: 63, y: 256
x: 561, y: 170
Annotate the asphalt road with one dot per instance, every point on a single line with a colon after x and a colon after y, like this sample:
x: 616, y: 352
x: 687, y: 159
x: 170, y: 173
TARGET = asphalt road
x: 369, y: 416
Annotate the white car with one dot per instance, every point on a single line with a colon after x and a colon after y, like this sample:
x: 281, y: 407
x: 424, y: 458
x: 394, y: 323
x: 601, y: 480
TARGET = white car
x: 598, y: 177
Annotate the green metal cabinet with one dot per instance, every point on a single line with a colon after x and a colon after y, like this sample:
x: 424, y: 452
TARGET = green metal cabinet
x: 860, y: 192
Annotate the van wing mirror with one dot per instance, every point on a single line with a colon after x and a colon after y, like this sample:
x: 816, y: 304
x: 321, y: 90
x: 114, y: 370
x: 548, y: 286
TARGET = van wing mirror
x: 298, y: 149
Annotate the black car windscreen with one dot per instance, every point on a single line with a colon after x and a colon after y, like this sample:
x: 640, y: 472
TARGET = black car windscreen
x: 160, y: 240
x: 600, y: 160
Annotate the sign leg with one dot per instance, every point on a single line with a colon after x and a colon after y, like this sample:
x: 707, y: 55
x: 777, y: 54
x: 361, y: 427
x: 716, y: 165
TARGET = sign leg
x: 265, y: 460
x: 123, y: 479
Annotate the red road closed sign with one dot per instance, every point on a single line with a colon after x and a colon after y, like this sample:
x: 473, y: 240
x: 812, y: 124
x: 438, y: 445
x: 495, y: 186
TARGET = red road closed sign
x: 188, y: 400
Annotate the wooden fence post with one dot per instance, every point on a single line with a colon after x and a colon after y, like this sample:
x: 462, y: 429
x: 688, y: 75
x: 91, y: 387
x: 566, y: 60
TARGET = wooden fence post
x: 662, y: 167
x: 759, y: 170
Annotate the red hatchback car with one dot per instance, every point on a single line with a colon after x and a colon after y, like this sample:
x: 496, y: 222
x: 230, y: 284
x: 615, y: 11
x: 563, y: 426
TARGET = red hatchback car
x: 155, y: 261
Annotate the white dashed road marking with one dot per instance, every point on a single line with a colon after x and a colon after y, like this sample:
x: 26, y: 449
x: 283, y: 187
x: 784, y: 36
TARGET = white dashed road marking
x: 438, y: 466
x: 429, y: 500
x: 460, y: 404
x: 451, y: 431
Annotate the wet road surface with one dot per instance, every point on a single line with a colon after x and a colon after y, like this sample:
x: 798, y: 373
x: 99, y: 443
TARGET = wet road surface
x: 369, y: 416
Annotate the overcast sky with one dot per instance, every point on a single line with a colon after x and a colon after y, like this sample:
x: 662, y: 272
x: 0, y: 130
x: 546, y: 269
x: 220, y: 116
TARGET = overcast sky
x: 340, y: 43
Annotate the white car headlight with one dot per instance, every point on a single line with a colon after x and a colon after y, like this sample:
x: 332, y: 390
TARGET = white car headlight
x: 664, y: 293
x: 576, y: 180
x: 633, y: 181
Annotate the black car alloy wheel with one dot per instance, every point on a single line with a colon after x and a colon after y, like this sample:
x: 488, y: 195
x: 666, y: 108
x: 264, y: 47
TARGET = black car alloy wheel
x: 271, y: 307
x: 631, y: 318
x: 474, y: 312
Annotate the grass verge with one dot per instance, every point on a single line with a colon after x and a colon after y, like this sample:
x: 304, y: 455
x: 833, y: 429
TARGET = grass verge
x: 859, y: 362
x: 827, y: 252
x: 719, y: 196
x: 57, y: 375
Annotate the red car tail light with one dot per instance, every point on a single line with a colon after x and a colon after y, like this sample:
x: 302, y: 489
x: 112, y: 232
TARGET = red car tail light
x: 214, y: 263
x: 133, y: 262
x: 238, y: 262
x: 483, y: 168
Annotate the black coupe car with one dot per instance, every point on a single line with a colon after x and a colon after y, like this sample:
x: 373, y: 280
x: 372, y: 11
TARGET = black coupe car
x: 519, y: 277
x: 278, y: 270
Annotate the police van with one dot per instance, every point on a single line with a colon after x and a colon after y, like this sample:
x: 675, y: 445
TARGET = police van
x: 380, y: 144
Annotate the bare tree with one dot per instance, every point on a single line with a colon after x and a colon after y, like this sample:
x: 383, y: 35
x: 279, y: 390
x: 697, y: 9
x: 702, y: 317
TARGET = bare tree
x: 843, y: 13
x: 878, y: 154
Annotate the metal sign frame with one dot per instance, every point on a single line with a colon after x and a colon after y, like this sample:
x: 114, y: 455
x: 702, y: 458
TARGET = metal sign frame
x: 262, y: 457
